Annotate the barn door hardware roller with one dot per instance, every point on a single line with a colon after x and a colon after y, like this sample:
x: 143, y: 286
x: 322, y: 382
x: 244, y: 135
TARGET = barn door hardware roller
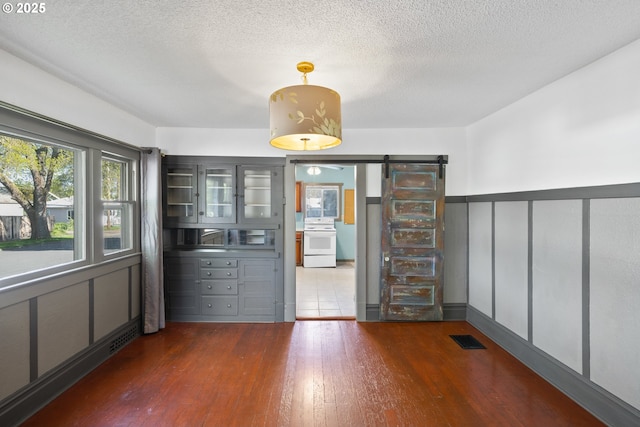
x: 386, y: 166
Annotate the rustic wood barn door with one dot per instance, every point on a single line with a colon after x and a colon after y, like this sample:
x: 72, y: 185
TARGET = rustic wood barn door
x: 412, y: 266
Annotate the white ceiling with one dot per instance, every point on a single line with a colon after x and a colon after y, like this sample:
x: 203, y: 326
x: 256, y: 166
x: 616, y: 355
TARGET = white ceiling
x: 410, y: 64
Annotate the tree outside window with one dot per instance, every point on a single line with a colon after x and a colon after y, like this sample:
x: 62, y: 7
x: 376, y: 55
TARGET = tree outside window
x: 37, y: 189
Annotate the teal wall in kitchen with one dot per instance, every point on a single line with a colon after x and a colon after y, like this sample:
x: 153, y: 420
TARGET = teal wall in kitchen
x: 345, y: 234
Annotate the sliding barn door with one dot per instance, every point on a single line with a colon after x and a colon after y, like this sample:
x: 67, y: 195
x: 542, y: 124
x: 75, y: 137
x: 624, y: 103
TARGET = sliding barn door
x: 412, y: 265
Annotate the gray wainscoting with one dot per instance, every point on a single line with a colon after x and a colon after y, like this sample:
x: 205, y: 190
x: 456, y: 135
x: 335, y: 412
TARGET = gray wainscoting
x: 511, y: 265
x: 554, y: 278
x: 57, y: 330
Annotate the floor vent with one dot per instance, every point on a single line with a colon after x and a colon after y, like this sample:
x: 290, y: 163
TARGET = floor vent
x: 467, y: 342
x: 124, y: 338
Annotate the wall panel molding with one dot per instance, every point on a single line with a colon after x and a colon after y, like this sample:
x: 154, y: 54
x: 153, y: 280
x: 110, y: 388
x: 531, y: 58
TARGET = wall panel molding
x: 36, y: 395
x: 595, y: 399
x: 563, y: 220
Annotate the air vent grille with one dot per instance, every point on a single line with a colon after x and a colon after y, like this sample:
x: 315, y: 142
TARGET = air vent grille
x: 467, y: 342
x: 124, y: 338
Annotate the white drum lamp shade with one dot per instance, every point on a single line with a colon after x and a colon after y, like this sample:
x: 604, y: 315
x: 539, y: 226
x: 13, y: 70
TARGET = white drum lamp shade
x: 305, y: 117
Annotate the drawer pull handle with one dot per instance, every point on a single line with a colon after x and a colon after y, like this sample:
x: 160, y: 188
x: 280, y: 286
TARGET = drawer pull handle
x: 229, y: 287
x: 208, y: 262
x: 228, y: 262
x: 209, y: 305
x: 228, y: 273
x: 208, y: 273
x: 209, y: 286
x: 228, y: 305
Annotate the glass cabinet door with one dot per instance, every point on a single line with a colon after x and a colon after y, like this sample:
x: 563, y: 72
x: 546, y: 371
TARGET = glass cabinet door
x: 181, y: 188
x: 219, y: 201
x: 256, y: 203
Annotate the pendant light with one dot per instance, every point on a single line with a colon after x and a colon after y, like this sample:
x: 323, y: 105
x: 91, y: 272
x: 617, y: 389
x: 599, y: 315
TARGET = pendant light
x: 305, y: 117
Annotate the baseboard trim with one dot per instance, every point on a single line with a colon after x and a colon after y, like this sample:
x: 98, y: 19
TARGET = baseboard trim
x: 27, y: 401
x: 373, y: 312
x: 602, y: 404
x: 450, y: 311
x: 454, y: 311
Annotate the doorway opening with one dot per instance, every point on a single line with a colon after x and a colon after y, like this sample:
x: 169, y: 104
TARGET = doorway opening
x: 325, y: 279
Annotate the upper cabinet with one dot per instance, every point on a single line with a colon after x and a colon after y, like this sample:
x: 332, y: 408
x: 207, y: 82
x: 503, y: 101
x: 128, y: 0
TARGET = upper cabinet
x: 219, y: 195
x: 180, y: 193
x: 298, y: 196
x: 257, y: 200
x: 212, y: 193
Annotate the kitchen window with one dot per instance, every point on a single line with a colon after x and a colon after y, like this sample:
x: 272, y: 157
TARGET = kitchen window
x: 323, y: 201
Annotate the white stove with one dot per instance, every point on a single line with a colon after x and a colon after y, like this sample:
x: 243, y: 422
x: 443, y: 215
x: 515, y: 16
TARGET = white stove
x: 319, y: 242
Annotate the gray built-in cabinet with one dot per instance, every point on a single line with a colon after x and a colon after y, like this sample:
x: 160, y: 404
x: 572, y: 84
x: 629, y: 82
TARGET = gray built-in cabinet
x: 223, y: 239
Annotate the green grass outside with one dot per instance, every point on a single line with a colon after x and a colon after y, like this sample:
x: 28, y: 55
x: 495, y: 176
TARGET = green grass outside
x: 23, y: 243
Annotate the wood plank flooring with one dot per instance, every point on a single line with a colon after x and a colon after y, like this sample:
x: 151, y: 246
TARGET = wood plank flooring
x: 311, y: 373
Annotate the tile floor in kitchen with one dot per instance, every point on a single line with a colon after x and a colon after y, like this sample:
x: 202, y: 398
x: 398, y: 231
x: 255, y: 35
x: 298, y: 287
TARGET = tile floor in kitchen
x: 326, y: 292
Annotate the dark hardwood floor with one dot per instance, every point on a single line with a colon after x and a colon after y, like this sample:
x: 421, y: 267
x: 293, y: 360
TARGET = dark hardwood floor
x: 311, y: 373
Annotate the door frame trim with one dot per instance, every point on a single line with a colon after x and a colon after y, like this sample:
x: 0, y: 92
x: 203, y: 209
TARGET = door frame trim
x: 359, y: 162
x: 290, y: 228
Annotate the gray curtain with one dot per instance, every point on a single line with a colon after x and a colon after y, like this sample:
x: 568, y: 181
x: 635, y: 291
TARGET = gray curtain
x: 151, y: 237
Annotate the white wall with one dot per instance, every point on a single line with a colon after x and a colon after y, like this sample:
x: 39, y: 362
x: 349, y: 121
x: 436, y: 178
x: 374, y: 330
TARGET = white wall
x: 255, y: 142
x: 30, y: 88
x: 582, y: 130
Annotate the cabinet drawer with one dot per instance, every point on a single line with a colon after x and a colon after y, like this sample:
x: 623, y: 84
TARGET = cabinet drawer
x: 220, y: 306
x: 218, y: 263
x: 219, y: 273
x: 219, y: 287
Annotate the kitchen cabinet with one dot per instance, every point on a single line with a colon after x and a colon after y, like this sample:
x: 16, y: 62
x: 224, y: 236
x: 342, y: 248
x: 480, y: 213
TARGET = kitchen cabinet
x: 299, y: 246
x: 215, y: 193
x: 218, y: 200
x: 223, y: 239
x: 180, y: 193
x: 209, y: 288
x: 298, y: 196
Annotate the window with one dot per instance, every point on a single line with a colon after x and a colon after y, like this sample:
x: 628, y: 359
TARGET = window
x: 323, y: 200
x: 67, y: 198
x: 117, y: 206
x: 40, y: 194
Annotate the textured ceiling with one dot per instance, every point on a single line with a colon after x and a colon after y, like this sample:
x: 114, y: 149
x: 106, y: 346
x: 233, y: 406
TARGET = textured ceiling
x: 422, y: 63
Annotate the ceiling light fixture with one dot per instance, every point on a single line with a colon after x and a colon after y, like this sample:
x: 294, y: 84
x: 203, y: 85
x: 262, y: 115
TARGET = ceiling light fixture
x: 314, y: 170
x: 305, y: 117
